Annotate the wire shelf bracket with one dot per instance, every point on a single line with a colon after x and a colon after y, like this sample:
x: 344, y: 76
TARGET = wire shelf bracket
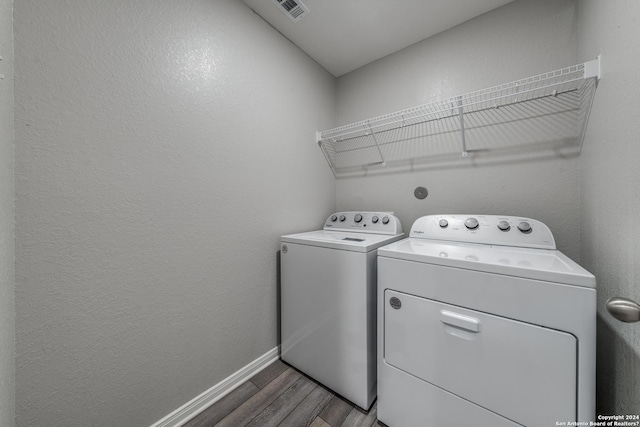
x: 559, y: 100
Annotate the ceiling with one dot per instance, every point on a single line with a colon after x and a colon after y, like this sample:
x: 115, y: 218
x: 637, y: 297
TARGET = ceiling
x: 342, y: 35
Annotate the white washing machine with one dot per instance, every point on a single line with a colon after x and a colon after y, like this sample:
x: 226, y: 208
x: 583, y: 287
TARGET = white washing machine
x: 328, y: 301
x: 483, y: 323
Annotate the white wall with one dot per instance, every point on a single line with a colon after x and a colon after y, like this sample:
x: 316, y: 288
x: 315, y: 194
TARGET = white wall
x: 610, y: 193
x: 7, y: 290
x: 518, y: 40
x: 162, y: 149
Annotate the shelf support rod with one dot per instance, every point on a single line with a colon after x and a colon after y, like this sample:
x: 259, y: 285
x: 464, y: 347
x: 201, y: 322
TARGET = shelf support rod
x: 375, y: 141
x: 461, y: 114
x: 326, y: 155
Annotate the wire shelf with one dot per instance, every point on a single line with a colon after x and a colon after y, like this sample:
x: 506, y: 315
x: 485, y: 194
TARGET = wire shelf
x: 550, y: 106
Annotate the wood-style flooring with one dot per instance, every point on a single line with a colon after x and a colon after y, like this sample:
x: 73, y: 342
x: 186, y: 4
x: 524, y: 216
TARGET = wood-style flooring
x: 281, y: 396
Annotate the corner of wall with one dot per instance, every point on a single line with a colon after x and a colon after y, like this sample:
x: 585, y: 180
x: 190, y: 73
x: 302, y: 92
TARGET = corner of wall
x: 7, y: 218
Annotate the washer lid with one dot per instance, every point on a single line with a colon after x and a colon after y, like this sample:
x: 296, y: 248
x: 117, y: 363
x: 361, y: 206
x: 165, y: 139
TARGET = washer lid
x: 349, y: 241
x: 540, y: 264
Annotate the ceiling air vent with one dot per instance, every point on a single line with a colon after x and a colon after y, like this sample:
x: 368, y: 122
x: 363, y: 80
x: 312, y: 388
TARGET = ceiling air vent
x: 294, y: 9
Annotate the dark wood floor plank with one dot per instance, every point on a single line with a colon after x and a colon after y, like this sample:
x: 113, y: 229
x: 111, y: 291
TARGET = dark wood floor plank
x: 224, y: 406
x: 308, y: 409
x: 336, y: 411
x: 280, y: 408
x: 280, y: 396
x: 359, y: 418
x: 268, y: 374
x: 259, y: 401
x: 319, y: 422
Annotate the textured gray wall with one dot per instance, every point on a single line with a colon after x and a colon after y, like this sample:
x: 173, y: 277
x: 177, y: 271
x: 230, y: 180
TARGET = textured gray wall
x: 610, y: 193
x: 144, y: 128
x: 7, y: 307
x: 518, y: 40
x: 162, y: 149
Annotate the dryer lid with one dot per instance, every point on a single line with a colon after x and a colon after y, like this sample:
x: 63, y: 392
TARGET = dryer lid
x: 539, y: 264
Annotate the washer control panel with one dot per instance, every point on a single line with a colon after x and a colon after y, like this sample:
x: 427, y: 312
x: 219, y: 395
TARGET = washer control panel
x: 364, y: 222
x: 485, y: 229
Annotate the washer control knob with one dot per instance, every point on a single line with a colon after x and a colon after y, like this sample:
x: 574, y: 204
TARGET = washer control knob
x: 342, y: 218
x: 471, y: 223
x: 525, y: 227
x: 357, y: 218
x: 385, y: 220
x: 443, y: 223
x: 504, y: 225
x: 334, y: 218
x: 375, y: 220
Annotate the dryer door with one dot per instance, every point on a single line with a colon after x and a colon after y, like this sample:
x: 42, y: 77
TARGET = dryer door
x: 523, y: 372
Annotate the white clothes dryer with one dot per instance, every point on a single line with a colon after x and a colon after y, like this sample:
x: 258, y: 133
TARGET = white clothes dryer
x: 482, y: 322
x: 328, y: 301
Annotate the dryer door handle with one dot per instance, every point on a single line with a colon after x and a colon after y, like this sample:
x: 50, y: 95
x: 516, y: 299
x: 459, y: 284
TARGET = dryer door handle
x: 460, y: 321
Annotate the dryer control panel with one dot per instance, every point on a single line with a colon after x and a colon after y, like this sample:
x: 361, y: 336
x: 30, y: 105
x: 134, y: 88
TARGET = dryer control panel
x: 485, y: 229
x: 364, y: 222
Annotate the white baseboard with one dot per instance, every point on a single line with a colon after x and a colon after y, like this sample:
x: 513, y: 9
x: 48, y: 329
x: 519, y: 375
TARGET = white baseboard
x: 217, y: 392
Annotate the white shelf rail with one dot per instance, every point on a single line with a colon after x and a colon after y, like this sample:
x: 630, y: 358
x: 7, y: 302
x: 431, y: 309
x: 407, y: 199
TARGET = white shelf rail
x: 566, y: 93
